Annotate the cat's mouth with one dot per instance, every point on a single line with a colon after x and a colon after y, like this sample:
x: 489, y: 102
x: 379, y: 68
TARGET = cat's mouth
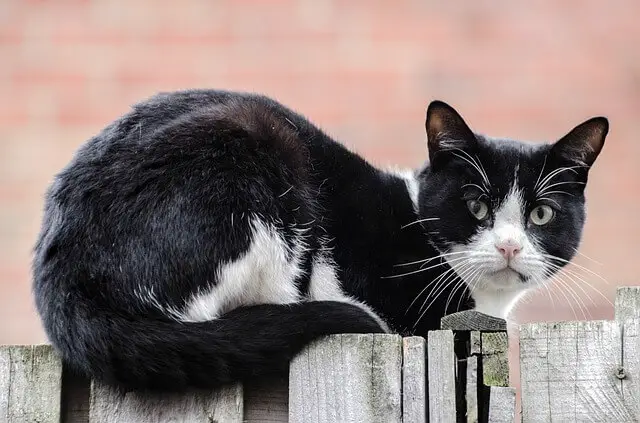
x: 507, y: 271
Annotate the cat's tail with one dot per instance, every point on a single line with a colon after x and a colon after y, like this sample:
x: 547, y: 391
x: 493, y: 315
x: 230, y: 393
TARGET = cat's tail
x: 170, y: 355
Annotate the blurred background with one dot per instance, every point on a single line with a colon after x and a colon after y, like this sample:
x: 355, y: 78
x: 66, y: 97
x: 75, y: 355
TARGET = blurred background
x: 362, y: 70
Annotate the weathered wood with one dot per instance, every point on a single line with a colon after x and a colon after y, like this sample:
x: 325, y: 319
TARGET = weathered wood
x: 568, y: 372
x: 471, y: 390
x: 414, y: 380
x: 628, y: 303
x: 347, y: 378
x: 266, y: 401
x: 475, y: 342
x: 442, y: 376
x: 502, y: 404
x: 30, y: 384
x: 495, y: 363
x: 472, y: 320
x: 110, y: 406
x: 629, y: 371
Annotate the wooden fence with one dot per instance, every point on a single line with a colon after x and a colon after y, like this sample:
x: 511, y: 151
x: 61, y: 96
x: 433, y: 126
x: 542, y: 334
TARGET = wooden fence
x: 570, y: 371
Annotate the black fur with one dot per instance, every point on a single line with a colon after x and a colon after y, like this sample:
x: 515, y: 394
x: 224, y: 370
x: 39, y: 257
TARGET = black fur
x: 161, y: 197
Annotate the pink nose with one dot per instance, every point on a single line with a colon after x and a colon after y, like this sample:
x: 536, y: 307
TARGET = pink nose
x: 508, y: 249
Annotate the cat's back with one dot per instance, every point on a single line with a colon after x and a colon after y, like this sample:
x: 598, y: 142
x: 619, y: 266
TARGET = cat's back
x: 183, y: 141
x: 175, y: 187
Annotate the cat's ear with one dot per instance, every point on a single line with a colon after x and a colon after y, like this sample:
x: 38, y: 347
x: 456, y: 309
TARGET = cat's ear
x: 446, y: 130
x: 583, y: 144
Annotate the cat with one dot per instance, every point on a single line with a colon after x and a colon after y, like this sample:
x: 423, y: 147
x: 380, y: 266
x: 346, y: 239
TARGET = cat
x: 207, y: 236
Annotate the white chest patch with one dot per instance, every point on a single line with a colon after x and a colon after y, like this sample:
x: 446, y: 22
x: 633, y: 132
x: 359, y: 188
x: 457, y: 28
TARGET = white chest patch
x: 264, y: 274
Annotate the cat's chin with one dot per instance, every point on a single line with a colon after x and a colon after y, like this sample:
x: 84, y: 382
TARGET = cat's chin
x: 497, y: 293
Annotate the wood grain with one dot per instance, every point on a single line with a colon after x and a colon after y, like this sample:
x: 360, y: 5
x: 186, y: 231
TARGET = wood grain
x: 627, y: 303
x: 110, y: 406
x: 30, y: 384
x: 502, y: 404
x: 568, y: 372
x: 414, y: 380
x: 442, y: 376
x: 472, y: 320
x: 347, y: 378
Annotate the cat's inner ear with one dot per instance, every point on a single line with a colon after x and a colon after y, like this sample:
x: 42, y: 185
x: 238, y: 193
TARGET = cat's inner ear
x: 583, y: 144
x: 446, y: 130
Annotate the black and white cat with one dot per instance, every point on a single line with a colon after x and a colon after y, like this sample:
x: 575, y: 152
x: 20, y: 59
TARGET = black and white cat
x: 207, y: 236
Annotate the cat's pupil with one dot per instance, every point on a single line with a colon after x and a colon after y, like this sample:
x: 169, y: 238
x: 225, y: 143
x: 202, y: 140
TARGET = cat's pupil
x: 540, y: 213
x: 475, y: 207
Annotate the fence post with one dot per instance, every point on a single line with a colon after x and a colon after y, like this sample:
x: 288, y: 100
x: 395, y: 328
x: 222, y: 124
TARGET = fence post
x: 347, y: 378
x: 414, y: 380
x: 108, y: 405
x: 30, y: 384
x: 482, y: 350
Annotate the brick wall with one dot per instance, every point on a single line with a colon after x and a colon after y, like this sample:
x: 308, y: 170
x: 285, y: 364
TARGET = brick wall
x: 363, y: 70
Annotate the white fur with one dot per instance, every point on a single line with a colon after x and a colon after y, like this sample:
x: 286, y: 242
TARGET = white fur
x: 264, y: 274
x: 411, y: 182
x: 325, y: 286
x: 495, y: 285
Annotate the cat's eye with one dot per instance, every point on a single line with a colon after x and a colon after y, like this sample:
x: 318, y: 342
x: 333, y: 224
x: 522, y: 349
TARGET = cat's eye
x: 478, y: 209
x: 541, y: 215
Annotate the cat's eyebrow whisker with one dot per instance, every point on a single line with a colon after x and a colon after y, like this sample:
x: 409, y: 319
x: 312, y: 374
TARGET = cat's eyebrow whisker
x: 476, y: 186
x: 554, y: 173
x: 551, y: 200
x: 545, y: 189
x: 469, y: 159
x: 541, y: 171
x: 427, y: 219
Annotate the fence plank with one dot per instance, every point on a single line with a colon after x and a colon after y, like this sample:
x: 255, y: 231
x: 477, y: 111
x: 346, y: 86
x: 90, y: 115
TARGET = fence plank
x: 347, y: 378
x: 568, y: 372
x: 471, y: 391
x: 266, y: 401
x: 628, y: 303
x: 30, y: 384
x: 629, y: 371
x: 495, y: 363
x: 110, y: 406
x: 472, y: 320
x: 442, y: 377
x: 414, y: 380
x: 502, y: 404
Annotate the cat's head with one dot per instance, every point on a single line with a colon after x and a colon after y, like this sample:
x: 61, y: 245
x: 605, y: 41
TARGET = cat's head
x: 506, y: 215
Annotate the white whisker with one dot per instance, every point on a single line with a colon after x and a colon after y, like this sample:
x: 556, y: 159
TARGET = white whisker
x: 428, y: 219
